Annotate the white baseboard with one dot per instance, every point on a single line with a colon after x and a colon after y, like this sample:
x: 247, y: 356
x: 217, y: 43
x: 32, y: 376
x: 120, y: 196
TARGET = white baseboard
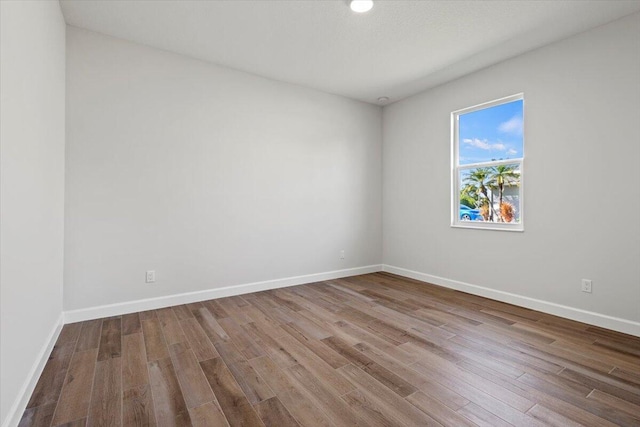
x: 597, y: 319
x: 189, y: 297
x: 15, y: 413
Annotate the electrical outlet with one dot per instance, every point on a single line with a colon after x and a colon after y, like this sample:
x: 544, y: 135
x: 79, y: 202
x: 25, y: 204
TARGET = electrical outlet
x: 586, y: 285
x: 342, y: 254
x: 150, y: 276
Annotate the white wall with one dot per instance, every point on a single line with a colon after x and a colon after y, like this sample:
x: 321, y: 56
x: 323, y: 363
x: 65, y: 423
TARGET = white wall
x: 582, y: 197
x: 209, y: 176
x: 32, y: 111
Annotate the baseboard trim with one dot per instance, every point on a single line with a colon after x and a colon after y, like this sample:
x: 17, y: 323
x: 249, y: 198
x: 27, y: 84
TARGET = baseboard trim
x: 19, y: 405
x: 592, y: 318
x: 118, y: 309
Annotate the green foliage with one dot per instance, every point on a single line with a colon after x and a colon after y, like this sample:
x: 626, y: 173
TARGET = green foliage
x: 482, y: 181
x: 467, y: 200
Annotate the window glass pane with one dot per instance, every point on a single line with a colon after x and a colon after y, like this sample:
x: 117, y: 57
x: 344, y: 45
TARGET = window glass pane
x: 493, y: 133
x: 490, y: 194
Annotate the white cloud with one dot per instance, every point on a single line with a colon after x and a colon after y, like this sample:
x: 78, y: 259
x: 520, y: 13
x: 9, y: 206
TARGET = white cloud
x: 483, y: 144
x: 478, y: 143
x: 511, y: 151
x: 512, y: 126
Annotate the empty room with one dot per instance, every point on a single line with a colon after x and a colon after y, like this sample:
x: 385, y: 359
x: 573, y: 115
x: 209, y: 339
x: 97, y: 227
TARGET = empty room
x: 319, y: 213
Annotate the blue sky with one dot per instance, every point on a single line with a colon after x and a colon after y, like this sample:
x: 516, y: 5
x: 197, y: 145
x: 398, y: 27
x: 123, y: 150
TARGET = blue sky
x: 491, y: 134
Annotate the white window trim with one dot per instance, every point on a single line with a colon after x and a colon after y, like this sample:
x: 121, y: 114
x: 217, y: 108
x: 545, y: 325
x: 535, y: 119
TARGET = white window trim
x: 455, y: 168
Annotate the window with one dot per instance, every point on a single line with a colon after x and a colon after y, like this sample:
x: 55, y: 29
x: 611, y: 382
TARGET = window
x: 487, y: 158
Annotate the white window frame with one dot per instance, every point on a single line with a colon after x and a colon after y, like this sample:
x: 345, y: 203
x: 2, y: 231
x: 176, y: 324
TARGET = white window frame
x: 456, y: 168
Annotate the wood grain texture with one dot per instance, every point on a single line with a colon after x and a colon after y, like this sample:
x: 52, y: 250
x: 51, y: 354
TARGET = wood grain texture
x: 110, y: 339
x: 76, y: 392
x: 198, y: 340
x: 194, y: 386
x: 50, y: 383
x: 134, y: 361
x: 168, y: 401
x: 89, y: 335
x: 131, y: 324
x: 106, y: 397
x: 208, y: 415
x: 273, y: 413
x: 233, y: 402
x: 155, y: 345
x: 137, y: 407
x: 371, y: 350
x: 39, y: 416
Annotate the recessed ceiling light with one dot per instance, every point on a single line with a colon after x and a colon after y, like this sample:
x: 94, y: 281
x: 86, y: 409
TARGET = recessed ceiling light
x: 361, y: 6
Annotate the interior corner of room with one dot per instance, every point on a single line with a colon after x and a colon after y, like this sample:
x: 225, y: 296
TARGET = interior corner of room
x: 135, y: 178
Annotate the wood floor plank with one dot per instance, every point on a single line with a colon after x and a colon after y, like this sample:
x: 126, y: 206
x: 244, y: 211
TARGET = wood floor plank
x: 438, y: 410
x: 82, y: 422
x: 229, y: 352
x: 359, y: 335
x: 330, y: 357
x: 273, y: 413
x: 254, y: 387
x: 50, y: 383
x: 324, y: 396
x: 567, y: 392
x: 482, y: 417
x: 69, y: 333
x: 208, y: 415
x: 171, y: 328
x: 137, y: 407
x: 216, y: 309
x: 432, y: 388
x: 278, y: 353
x: 154, y: 343
x: 625, y: 375
x: 131, y: 324
x: 605, y: 383
x: 392, y: 405
x: 38, y: 416
x: 182, y: 312
x: 243, y: 341
x: 89, y: 335
x: 134, y: 361
x: 367, y: 409
x: 110, y: 339
x: 76, y: 391
x: 233, y: 402
x: 168, y: 402
x: 147, y: 315
x: 551, y: 418
x: 315, y: 365
x: 305, y: 410
x: 614, y: 402
x: 380, y: 373
x: 557, y: 405
x: 198, y: 340
x: 210, y: 326
x: 371, y: 350
x: 194, y: 386
x: 443, y: 368
x: 106, y: 397
x: 485, y: 400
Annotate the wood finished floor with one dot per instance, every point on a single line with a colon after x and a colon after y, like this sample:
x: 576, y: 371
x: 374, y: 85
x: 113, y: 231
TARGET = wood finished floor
x: 372, y: 350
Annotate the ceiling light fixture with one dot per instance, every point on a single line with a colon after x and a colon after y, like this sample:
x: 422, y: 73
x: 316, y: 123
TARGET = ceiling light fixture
x: 383, y: 99
x: 361, y: 6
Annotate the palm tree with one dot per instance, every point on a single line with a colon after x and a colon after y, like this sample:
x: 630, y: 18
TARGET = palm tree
x: 502, y: 175
x: 479, y: 180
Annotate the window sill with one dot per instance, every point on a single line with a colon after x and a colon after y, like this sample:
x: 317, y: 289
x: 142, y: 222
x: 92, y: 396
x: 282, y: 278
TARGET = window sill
x: 493, y: 226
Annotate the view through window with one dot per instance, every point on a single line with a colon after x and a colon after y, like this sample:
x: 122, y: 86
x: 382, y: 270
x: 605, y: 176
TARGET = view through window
x: 488, y: 153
